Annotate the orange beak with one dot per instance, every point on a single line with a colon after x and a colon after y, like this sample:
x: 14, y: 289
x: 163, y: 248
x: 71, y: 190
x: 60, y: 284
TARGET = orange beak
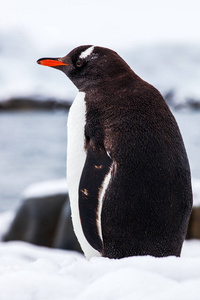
x: 51, y: 62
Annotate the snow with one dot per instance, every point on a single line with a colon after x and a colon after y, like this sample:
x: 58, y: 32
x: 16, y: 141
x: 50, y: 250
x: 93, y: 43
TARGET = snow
x: 5, y: 220
x: 37, y: 29
x: 196, y: 191
x: 46, y: 188
x: 31, y: 272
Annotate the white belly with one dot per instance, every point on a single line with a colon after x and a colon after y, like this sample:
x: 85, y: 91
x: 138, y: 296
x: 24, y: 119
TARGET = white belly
x: 76, y: 157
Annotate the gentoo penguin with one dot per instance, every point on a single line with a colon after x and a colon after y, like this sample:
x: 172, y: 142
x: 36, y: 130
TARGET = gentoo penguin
x: 127, y: 168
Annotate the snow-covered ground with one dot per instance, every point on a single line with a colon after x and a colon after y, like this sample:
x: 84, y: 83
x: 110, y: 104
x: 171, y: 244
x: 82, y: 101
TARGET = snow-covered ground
x: 28, y: 272
x: 46, y: 188
x: 38, y: 273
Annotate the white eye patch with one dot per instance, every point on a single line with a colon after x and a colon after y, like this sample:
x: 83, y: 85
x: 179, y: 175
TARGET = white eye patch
x: 87, y: 52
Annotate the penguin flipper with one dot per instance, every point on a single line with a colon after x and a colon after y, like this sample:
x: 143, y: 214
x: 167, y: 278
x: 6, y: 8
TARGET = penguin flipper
x: 97, y: 166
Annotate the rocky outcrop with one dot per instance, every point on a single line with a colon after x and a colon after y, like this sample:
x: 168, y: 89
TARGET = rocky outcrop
x: 38, y: 103
x: 194, y: 224
x: 65, y: 237
x: 31, y: 103
x: 44, y: 221
x: 36, y: 220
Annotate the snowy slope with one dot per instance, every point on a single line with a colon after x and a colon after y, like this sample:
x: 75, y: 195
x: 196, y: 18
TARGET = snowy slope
x: 29, y: 272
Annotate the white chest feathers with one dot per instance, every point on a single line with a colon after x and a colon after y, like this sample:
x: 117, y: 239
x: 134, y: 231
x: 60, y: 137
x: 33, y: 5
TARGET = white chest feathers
x: 76, y: 157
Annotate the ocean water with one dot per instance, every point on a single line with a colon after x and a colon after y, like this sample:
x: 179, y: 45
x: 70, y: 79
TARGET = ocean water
x: 33, y: 149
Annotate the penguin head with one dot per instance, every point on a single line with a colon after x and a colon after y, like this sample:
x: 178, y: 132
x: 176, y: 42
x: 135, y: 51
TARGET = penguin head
x: 88, y: 65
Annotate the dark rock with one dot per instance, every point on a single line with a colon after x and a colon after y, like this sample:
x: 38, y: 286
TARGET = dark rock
x: 189, y: 103
x: 32, y: 103
x: 65, y: 237
x: 194, y: 224
x: 36, y: 220
x: 44, y: 221
x: 193, y: 103
x: 170, y: 97
x: 38, y: 103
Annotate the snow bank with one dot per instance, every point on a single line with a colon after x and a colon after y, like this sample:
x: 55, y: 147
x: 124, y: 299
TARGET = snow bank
x: 46, y: 188
x: 196, y: 191
x: 6, y: 219
x: 29, y: 272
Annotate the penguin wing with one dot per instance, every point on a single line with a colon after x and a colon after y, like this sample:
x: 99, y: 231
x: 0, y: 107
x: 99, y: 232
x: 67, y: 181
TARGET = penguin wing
x: 97, y: 166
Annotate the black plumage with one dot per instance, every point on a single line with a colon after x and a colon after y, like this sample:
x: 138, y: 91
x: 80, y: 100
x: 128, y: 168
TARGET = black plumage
x: 131, y: 132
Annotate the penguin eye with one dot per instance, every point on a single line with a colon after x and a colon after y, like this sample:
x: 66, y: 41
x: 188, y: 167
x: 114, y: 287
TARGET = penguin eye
x: 79, y: 63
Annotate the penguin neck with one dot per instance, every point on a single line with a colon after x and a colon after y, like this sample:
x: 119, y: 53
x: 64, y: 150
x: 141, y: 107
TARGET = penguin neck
x: 107, y: 84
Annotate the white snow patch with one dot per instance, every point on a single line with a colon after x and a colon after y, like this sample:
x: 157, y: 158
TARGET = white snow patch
x: 6, y: 219
x: 42, y: 273
x: 31, y: 272
x: 87, y: 52
x: 196, y: 191
x: 46, y: 188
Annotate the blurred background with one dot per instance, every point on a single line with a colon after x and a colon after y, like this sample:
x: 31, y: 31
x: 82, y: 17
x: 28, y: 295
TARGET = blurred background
x: 160, y: 40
